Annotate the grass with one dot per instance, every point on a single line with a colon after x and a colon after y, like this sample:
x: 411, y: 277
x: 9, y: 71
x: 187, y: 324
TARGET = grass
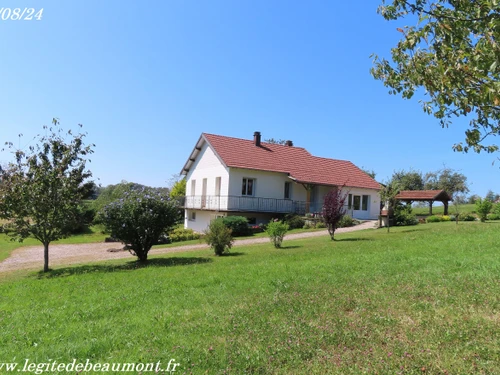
x: 419, y: 300
x: 439, y: 210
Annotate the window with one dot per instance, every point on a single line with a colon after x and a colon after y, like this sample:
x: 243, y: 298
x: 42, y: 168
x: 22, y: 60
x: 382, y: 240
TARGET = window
x: 248, y: 186
x: 364, y: 203
x: 287, y: 190
x: 217, y: 186
x: 349, y: 202
x: 356, y: 202
x: 193, y: 187
x: 193, y: 216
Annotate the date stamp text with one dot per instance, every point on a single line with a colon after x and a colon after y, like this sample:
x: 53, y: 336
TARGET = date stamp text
x: 21, y: 14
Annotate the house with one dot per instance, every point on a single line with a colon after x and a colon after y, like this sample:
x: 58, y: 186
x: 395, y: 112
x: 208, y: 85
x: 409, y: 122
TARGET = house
x: 231, y: 176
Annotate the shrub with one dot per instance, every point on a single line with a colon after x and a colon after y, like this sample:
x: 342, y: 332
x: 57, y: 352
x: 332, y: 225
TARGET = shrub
x: 496, y: 209
x: 219, y: 237
x: 433, y: 219
x: 294, y: 221
x: 139, y: 219
x: 453, y: 218
x: 320, y: 225
x: 346, y: 221
x: 466, y: 217
x: 493, y: 217
x: 181, y: 234
x: 308, y: 225
x: 238, y: 225
x: 483, y: 208
x: 445, y: 218
x: 403, y: 216
x: 276, y: 231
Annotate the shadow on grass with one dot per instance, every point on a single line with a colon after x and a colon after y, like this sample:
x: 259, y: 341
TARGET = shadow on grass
x: 354, y: 239
x: 132, y: 265
x: 235, y: 254
x: 290, y: 247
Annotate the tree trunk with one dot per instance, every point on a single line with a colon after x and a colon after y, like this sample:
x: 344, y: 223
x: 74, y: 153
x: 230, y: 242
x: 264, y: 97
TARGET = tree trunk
x: 46, y: 257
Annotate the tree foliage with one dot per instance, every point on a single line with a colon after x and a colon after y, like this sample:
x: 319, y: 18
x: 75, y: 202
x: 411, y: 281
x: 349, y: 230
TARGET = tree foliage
x: 447, y: 179
x: 453, y: 54
x: 334, y: 209
x: 483, y: 208
x: 178, y: 189
x: 411, y: 180
x: 42, y: 190
x: 139, y: 218
x: 111, y: 193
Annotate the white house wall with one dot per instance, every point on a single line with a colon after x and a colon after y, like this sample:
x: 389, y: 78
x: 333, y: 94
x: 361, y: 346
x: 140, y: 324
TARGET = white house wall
x: 267, y: 184
x: 207, y: 165
x: 373, y: 201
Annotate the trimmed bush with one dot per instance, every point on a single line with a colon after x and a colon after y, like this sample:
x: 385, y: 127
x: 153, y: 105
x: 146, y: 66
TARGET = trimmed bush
x: 346, y: 221
x: 433, y: 219
x: 308, y: 225
x: 320, y: 225
x: 294, y: 221
x: 466, y: 217
x: 238, y: 225
x: 219, y: 237
x: 404, y: 217
x: 445, y: 218
x: 276, y: 231
x: 493, y: 217
x: 181, y: 234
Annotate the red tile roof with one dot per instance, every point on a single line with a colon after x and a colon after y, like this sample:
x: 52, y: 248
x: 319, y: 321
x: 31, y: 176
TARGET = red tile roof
x: 295, y: 161
x: 423, y: 195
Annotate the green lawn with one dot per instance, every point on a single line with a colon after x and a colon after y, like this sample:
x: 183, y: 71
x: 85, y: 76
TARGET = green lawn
x: 418, y: 300
x: 439, y: 210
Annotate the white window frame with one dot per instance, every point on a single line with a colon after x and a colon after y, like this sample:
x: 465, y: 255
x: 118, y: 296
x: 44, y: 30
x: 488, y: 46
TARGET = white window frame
x: 244, y: 186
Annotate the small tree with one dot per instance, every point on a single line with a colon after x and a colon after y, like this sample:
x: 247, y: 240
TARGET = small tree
x: 219, y: 237
x: 334, y: 209
x: 276, y: 231
x: 41, y: 191
x: 139, y: 218
x: 483, y: 208
x: 178, y: 187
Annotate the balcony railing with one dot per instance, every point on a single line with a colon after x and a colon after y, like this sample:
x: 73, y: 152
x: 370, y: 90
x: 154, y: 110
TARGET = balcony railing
x: 241, y: 203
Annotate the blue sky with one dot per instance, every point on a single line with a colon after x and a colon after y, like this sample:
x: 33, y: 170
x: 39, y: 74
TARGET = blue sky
x: 146, y: 78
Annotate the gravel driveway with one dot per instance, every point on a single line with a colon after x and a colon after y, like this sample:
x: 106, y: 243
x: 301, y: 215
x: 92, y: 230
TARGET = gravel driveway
x: 31, y: 257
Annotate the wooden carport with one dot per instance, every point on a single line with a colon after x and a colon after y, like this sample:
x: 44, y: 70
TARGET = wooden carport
x: 430, y: 196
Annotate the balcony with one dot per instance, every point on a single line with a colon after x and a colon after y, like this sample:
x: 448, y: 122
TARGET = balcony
x: 243, y: 204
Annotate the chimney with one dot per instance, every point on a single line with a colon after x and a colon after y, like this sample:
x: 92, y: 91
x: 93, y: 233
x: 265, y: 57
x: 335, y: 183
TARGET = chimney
x: 256, y: 139
x: 289, y: 143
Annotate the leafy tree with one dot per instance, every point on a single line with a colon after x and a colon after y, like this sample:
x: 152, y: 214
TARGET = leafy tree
x: 139, y: 218
x: 276, y: 231
x: 369, y: 172
x: 334, y: 209
x: 178, y: 189
x: 448, y: 180
x: 452, y: 53
x: 491, y: 196
x: 411, y: 180
x: 275, y: 141
x: 388, y: 194
x: 42, y: 190
x: 473, y: 199
x: 219, y: 237
x: 483, y: 208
